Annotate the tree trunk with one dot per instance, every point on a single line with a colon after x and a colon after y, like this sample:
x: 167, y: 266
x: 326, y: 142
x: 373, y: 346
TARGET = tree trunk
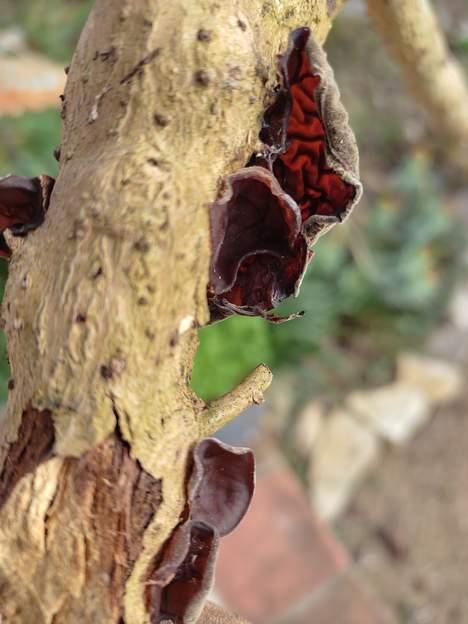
x: 103, y: 300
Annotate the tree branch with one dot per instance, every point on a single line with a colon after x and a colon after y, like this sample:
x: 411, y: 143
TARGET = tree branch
x: 411, y: 31
x: 102, y: 300
x: 249, y: 392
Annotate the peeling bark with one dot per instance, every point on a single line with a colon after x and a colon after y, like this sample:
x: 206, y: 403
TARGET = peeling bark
x: 103, y: 299
x: 106, y: 501
x: 34, y: 444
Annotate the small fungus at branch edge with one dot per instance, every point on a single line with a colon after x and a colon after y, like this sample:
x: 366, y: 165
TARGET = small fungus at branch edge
x: 23, y: 204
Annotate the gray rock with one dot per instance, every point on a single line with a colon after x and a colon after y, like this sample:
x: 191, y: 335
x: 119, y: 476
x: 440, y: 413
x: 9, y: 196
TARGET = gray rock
x: 437, y: 379
x: 307, y: 427
x: 343, y: 453
x: 395, y: 411
x: 449, y: 343
x: 459, y: 308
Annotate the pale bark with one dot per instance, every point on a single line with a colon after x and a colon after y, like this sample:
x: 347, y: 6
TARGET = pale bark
x: 103, y: 300
x: 212, y: 614
x: 410, y: 29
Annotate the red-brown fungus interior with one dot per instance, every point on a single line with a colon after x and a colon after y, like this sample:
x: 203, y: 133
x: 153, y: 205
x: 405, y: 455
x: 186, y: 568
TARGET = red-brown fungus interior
x: 192, y: 577
x: 20, y: 200
x: 257, y: 225
x: 296, y: 130
x: 263, y: 281
x: 258, y: 251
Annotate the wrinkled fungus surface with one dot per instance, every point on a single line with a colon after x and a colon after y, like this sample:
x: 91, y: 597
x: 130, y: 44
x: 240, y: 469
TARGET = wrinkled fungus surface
x: 23, y: 204
x: 219, y: 491
x: 294, y: 130
x: 269, y: 213
x: 259, y: 252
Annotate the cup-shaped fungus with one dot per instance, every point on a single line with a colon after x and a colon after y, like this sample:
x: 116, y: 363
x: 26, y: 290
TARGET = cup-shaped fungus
x: 23, y: 204
x: 219, y: 491
x: 259, y: 252
x: 264, y: 224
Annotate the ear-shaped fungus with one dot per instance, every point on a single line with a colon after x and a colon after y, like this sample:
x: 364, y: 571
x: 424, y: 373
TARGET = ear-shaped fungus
x: 23, y: 204
x: 219, y: 491
x: 311, y: 148
x: 177, y: 590
x: 221, y: 485
x: 263, y: 225
x: 259, y: 252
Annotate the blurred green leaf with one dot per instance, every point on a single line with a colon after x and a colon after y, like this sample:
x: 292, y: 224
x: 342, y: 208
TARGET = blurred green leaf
x: 52, y: 27
x: 228, y: 352
x: 27, y: 143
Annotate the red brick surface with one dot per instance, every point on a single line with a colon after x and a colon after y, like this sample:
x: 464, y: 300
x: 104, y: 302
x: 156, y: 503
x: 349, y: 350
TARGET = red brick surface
x: 280, y: 553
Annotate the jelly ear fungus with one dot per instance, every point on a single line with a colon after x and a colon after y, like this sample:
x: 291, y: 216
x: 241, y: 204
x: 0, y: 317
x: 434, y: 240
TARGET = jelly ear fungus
x: 304, y: 181
x: 219, y: 491
x: 23, y: 204
x: 259, y: 253
x: 221, y: 484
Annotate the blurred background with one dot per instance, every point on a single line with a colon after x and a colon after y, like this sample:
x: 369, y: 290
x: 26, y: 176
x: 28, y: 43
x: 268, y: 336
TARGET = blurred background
x: 362, y: 501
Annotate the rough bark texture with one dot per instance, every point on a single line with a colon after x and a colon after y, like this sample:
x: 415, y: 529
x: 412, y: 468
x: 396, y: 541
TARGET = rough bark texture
x: 162, y: 101
x: 34, y: 444
x: 212, y: 614
x: 410, y: 29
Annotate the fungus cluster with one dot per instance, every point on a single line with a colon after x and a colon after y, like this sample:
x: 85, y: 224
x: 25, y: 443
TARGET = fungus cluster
x: 263, y: 225
x: 219, y: 491
x: 268, y: 214
x: 305, y: 179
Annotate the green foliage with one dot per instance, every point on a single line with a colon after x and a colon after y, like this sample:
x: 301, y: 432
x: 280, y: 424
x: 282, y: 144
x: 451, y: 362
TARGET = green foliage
x: 376, y: 285
x: 52, y: 27
x: 27, y: 143
x: 459, y: 44
x: 227, y: 352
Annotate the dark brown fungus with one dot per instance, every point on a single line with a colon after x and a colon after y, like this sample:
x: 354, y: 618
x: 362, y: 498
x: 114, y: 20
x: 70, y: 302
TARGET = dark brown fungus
x: 221, y: 486
x: 221, y: 309
x: 219, y: 491
x: 23, y: 204
x: 259, y: 253
x: 163, y: 571
x: 181, y: 600
x: 263, y: 225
